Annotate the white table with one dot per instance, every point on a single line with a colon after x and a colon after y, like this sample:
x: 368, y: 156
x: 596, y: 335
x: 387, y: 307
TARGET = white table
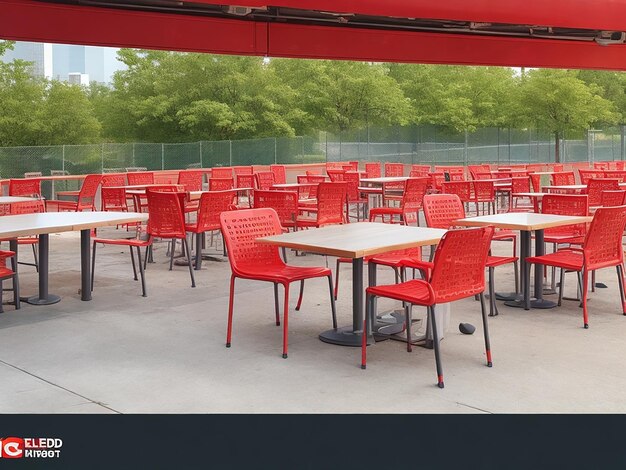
x: 13, y: 226
x: 355, y: 241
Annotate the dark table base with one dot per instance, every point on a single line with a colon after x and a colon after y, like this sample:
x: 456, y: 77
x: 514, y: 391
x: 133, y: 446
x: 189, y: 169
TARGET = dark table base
x: 49, y: 300
x: 343, y: 336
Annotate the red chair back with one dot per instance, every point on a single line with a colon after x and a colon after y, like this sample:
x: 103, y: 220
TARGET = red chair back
x: 166, y: 217
x: 280, y: 175
x: 113, y: 180
x: 455, y: 173
x: 352, y: 180
x: 563, y: 178
x: 246, y: 181
x: 601, y: 166
x: 595, y: 186
x: 308, y: 192
x: 335, y: 165
x: 520, y: 185
x: 484, y: 191
x: 419, y: 171
x: 211, y: 206
x: 463, y: 189
x: 586, y: 175
x: 535, y: 180
x: 442, y: 210
x: 191, y: 180
x: 87, y: 193
x: 222, y: 172
x: 264, y: 180
x: 459, y: 264
x: 243, y: 170
x: 140, y: 177
x: 336, y: 175
x: 220, y: 184
x: 351, y: 166
x: 241, y: 229
x: 25, y: 187
x: 436, y: 180
x: 285, y: 203
x: 36, y: 206
x: 603, y: 244
x: 372, y: 170
x: 615, y: 174
x: 331, y: 200
x: 114, y: 199
x: 413, y: 198
x: 613, y: 198
x: 394, y: 169
x: 566, y: 204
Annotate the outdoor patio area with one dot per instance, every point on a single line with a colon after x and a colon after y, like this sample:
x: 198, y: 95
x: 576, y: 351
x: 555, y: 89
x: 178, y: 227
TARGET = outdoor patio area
x: 122, y: 353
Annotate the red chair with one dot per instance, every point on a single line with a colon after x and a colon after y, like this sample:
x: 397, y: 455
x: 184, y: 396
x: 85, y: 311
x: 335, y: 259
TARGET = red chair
x: 458, y: 273
x: 280, y: 175
x: 602, y: 248
x: 421, y: 170
x: 442, y: 210
x: 138, y: 242
x: 335, y: 165
x: 114, y: 199
x: 246, y: 181
x: 30, y: 207
x: 455, y: 173
x: 479, y: 169
x: 595, y: 187
x: 535, y: 181
x: 354, y: 195
x: 307, y: 194
x: 243, y: 170
x: 264, y: 180
x: 463, y: 189
x: 618, y: 175
x: 191, y: 180
x: 613, y: 198
x: 564, y: 178
x: 586, y: 175
x: 557, y: 167
x: 210, y: 207
x: 394, y: 169
x: 9, y: 273
x: 140, y: 178
x: 330, y: 207
x: 336, y: 176
x: 436, y: 180
x: 86, y: 197
x: 372, y: 170
x: 484, y: 192
x: 30, y: 187
x: 115, y: 179
x: 520, y: 185
x: 410, y: 205
x: 565, y: 204
x: 285, y: 203
x: 220, y: 184
x: 252, y: 260
x: 221, y: 172
x: 601, y: 166
x: 167, y: 221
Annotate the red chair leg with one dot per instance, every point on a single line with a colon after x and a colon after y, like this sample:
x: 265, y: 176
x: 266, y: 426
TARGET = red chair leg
x: 584, y: 289
x: 229, y: 330
x: 301, y: 294
x: 286, y: 321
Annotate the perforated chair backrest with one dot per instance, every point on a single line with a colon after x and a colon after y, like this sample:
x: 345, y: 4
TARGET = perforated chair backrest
x: 601, y: 165
x: 394, y: 169
x: 166, y: 217
x: 372, y: 170
x: 113, y: 199
x: 243, y: 170
x: 331, y: 200
x: 613, y: 198
x: 603, y: 243
x: 566, y: 204
x: 535, y: 181
x: 285, y: 203
x: 586, y: 175
x: 113, y: 180
x: 241, y: 229
x: 595, y: 186
x: 246, y: 181
x: 336, y: 175
x: 459, y: 264
x: 280, y: 174
x: 463, y: 189
x: 88, y: 190
x: 352, y: 180
x: 191, y: 179
x: 220, y: 184
x: 140, y: 177
x: 36, y: 206
x: 563, y: 178
x: 211, y: 206
x: 520, y: 185
x: 413, y: 196
x: 441, y: 210
x: 618, y: 175
x: 222, y: 172
x: 264, y: 180
x: 25, y: 187
x: 484, y: 191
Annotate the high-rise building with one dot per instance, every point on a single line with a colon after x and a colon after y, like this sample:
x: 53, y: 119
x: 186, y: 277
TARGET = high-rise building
x: 40, y: 54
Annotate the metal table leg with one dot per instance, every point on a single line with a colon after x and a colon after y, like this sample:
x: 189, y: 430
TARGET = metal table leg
x: 524, y: 301
x: 44, y: 298
x: 350, y: 335
x: 85, y: 265
x: 539, y: 301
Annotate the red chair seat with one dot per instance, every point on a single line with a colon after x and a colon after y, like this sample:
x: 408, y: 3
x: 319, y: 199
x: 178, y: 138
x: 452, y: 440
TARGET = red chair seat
x: 416, y: 291
x: 192, y: 206
x: 122, y: 241
x: 566, y: 259
x: 282, y: 274
x: 68, y: 193
x: 494, y: 261
x: 572, y: 239
x: 62, y: 205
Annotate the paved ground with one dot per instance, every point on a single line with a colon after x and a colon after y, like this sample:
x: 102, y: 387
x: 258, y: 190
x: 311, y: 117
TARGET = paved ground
x: 122, y: 353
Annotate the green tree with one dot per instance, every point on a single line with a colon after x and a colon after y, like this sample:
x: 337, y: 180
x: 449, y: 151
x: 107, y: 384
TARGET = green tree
x: 557, y: 101
x: 610, y: 85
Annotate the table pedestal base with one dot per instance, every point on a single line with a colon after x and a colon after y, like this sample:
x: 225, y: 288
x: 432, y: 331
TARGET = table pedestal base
x: 506, y: 296
x: 343, y: 336
x: 48, y: 300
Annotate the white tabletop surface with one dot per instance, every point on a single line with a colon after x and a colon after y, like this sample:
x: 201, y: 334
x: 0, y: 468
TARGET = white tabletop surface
x: 356, y: 240
x: 385, y: 179
x: 14, y: 199
x: 523, y: 220
x: 54, y: 222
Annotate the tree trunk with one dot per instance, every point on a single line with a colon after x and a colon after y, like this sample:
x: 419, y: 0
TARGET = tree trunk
x: 557, y: 148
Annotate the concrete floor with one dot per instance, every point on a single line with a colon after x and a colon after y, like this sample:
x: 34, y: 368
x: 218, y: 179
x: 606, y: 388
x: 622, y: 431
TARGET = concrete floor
x: 121, y: 353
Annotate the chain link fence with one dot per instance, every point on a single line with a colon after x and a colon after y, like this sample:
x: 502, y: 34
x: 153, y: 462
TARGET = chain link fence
x: 409, y: 144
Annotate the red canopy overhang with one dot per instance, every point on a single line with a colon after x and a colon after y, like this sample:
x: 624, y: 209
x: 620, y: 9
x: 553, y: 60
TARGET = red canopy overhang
x: 73, y: 23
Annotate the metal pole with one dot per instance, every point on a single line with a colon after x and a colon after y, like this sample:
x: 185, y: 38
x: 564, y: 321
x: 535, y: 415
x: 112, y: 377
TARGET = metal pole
x: 275, y: 150
x: 162, y: 156
x: 102, y: 158
x: 230, y: 152
x: 201, y: 163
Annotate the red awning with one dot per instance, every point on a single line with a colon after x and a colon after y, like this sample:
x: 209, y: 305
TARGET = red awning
x: 31, y: 20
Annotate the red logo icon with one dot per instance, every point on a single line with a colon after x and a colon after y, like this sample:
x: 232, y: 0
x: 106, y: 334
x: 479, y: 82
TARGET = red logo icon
x: 11, y: 448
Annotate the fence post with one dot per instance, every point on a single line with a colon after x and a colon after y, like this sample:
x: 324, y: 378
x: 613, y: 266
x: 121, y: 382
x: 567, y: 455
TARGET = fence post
x: 63, y: 159
x: 230, y: 153
x: 102, y: 158
x: 134, y: 155
x: 464, y: 148
x: 623, y: 141
x: 201, y: 164
x: 275, y: 150
x: 302, y: 142
x: 162, y: 156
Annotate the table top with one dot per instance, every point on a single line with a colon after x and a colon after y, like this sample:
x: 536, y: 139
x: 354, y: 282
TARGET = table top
x: 14, y: 199
x: 385, y: 179
x: 571, y: 187
x: 12, y: 226
x: 531, y: 194
x: 356, y: 240
x: 293, y: 185
x: 543, y: 172
x: 523, y: 220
